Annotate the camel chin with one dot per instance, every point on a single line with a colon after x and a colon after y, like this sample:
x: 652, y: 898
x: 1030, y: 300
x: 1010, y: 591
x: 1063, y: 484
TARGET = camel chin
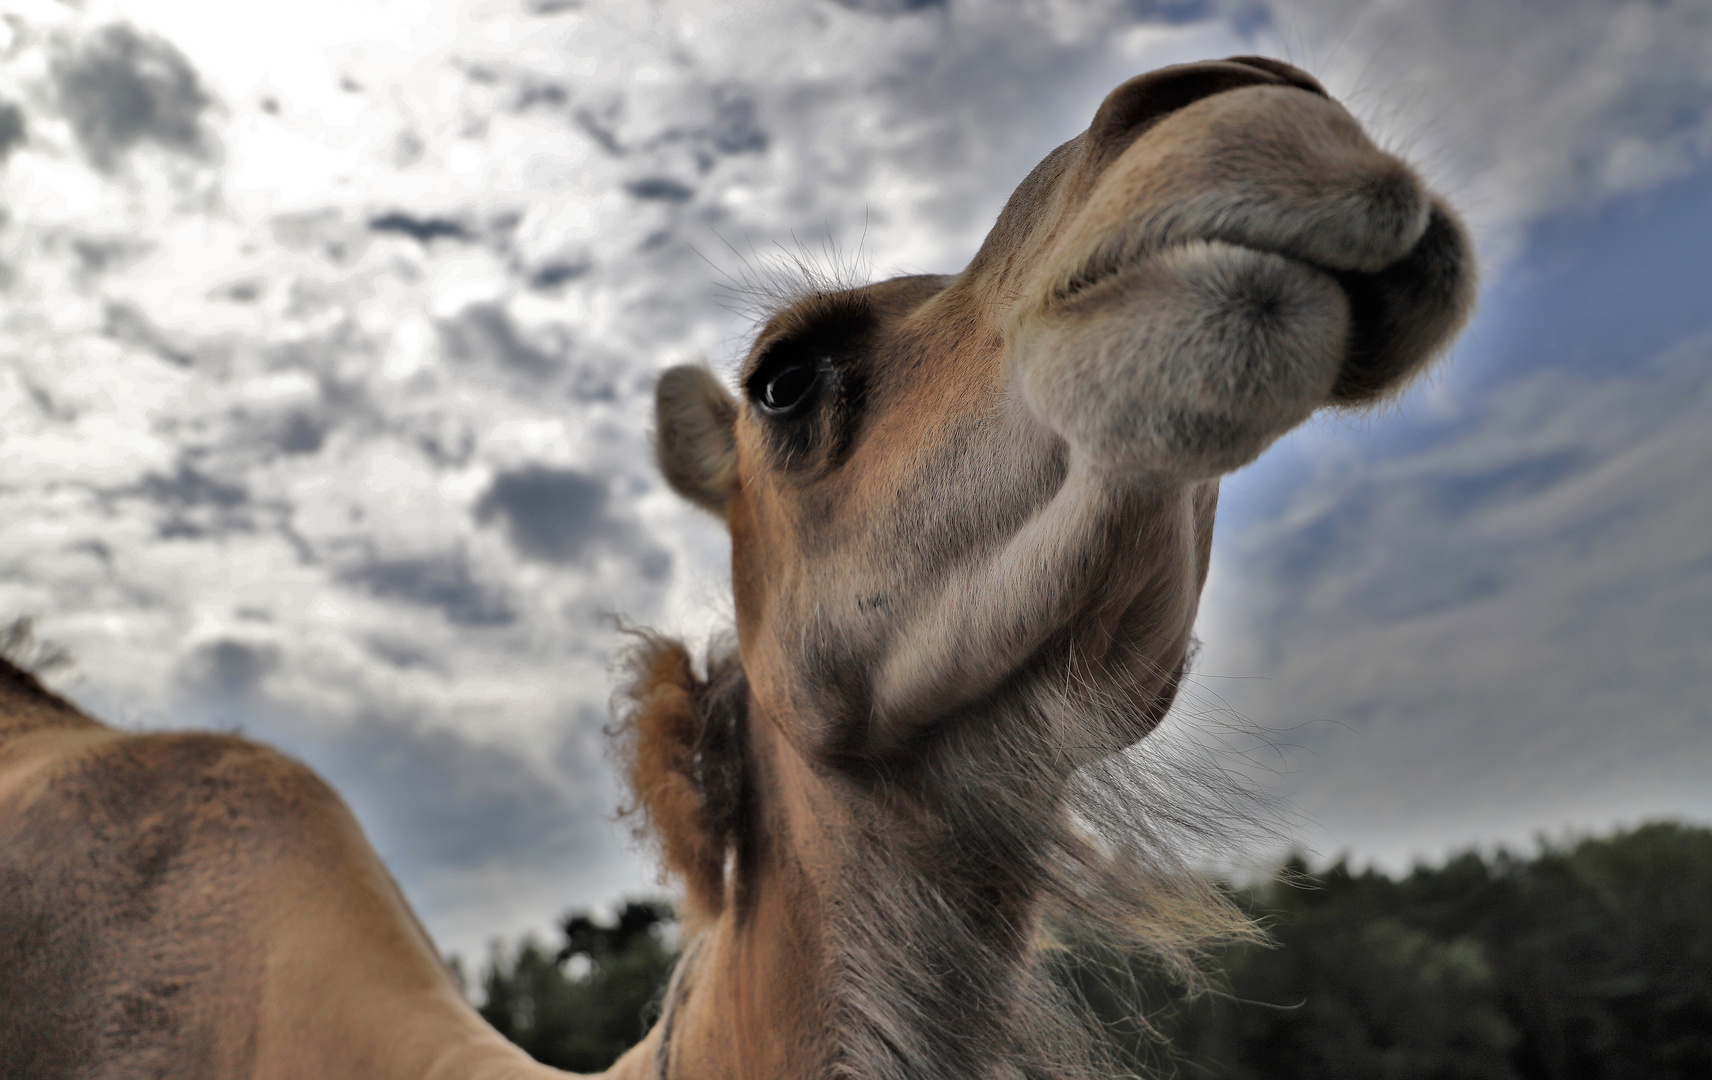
x: 1188, y: 364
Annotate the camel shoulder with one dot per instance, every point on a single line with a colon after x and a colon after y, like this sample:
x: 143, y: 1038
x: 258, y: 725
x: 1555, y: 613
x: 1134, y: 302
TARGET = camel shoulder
x: 137, y: 877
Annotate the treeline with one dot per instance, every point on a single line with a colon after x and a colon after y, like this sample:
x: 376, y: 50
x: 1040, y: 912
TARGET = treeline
x: 1585, y: 961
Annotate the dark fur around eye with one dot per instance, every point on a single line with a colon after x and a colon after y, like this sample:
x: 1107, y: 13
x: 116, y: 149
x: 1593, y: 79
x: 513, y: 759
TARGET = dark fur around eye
x: 808, y: 383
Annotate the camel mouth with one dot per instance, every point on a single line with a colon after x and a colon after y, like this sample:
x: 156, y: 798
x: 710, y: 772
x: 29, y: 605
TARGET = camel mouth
x: 1374, y: 297
x: 1112, y: 262
x: 1134, y: 252
x: 1383, y: 224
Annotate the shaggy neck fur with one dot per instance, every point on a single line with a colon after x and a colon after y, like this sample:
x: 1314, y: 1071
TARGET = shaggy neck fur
x: 886, y: 921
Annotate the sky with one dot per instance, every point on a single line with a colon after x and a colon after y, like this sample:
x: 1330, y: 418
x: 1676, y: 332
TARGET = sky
x: 328, y: 333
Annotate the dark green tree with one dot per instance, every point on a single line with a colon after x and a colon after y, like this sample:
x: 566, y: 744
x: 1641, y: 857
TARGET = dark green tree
x: 581, y: 1005
x: 1588, y: 961
x: 1350, y: 989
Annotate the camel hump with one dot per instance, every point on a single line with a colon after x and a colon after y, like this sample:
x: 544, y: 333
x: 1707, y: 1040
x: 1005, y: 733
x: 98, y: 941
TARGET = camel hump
x: 133, y: 879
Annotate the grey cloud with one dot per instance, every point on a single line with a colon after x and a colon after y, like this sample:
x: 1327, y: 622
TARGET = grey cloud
x: 487, y: 332
x: 120, y: 87
x: 99, y: 254
x: 660, y: 188
x: 652, y: 562
x: 443, y: 582
x: 194, y: 504
x: 445, y: 446
x: 306, y: 230
x: 189, y: 488
x: 1485, y: 484
x: 1432, y: 519
x: 890, y: 7
x: 126, y: 323
x: 302, y: 434
x: 1172, y: 12
x: 536, y: 92
x: 12, y: 129
x: 549, y: 514
x: 226, y: 672
x: 553, y: 274
x: 735, y: 128
x: 722, y: 119
x: 601, y: 130
x: 435, y: 800
x: 401, y: 654
x: 423, y: 230
x: 262, y: 435
x: 559, y: 515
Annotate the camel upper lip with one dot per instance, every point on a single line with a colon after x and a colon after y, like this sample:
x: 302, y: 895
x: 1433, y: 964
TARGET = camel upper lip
x: 1232, y: 222
x: 1113, y: 260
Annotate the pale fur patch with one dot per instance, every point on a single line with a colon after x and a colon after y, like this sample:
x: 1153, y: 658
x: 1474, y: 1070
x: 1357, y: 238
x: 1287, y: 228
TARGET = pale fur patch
x: 1188, y: 364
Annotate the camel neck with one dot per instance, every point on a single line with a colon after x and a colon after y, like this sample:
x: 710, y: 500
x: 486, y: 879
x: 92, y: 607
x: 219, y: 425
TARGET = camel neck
x: 851, y: 943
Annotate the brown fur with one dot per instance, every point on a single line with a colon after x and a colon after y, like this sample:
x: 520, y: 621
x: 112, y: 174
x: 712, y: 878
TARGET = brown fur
x: 680, y: 770
x: 197, y: 906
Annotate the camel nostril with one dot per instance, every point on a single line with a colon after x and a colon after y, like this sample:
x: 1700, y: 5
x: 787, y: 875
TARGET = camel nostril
x: 1290, y: 73
x: 1147, y: 99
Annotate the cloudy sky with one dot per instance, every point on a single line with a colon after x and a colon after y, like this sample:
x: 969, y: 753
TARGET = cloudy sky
x: 327, y: 332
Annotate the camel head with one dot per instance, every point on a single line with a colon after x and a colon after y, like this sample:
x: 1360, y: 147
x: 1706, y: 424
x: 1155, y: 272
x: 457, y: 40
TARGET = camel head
x: 942, y: 488
x: 971, y: 514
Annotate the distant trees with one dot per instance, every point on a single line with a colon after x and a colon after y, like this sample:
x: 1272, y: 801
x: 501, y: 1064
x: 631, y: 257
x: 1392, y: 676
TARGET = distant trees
x: 582, y: 1004
x: 1587, y: 961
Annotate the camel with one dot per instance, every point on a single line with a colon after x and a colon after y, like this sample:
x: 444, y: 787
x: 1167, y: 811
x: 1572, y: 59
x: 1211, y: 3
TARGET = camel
x: 970, y: 519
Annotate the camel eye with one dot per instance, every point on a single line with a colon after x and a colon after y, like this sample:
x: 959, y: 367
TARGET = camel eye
x: 787, y: 386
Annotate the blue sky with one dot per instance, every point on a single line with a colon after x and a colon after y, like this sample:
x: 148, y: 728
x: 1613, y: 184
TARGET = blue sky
x: 329, y: 329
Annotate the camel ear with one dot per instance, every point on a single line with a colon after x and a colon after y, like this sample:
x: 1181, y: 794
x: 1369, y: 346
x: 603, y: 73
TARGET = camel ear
x: 695, y: 437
